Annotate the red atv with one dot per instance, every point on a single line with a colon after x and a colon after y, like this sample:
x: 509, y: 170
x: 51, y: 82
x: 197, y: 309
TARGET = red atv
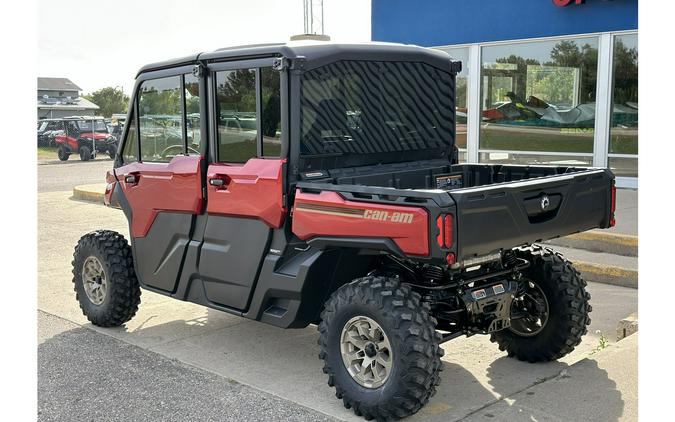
x: 85, y: 136
x: 321, y: 186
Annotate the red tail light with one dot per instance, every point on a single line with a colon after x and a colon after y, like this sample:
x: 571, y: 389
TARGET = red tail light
x: 439, y: 224
x: 445, y: 231
x: 612, y: 220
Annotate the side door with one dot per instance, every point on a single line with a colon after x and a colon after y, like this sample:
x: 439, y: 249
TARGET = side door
x: 160, y: 178
x: 245, y: 178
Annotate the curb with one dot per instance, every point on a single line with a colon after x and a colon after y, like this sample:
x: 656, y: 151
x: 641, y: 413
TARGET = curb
x: 627, y: 326
x: 616, y: 276
x: 89, y: 193
x: 600, y: 241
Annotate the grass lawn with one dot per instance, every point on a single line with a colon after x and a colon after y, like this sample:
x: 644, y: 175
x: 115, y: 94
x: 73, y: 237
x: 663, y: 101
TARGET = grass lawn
x: 47, y: 153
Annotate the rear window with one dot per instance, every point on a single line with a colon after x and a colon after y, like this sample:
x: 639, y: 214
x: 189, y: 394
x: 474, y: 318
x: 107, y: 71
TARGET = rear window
x: 368, y: 107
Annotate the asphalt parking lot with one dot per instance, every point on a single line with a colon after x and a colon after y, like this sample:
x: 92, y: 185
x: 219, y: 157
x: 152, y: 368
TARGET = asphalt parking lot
x: 189, y: 355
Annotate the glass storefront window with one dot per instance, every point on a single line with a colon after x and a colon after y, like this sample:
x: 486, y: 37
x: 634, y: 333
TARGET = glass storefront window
x: 539, y: 97
x: 461, y: 101
x: 624, y: 129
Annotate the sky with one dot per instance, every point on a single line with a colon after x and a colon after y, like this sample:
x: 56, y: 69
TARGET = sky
x: 99, y: 43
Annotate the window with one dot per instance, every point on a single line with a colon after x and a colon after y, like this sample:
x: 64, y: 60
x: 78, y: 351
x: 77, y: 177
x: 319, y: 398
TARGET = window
x: 130, y: 152
x: 461, y: 97
x: 623, y: 141
x: 237, y: 117
x: 538, y: 102
x: 192, y: 115
x: 367, y: 110
x: 271, y: 112
x: 161, y: 119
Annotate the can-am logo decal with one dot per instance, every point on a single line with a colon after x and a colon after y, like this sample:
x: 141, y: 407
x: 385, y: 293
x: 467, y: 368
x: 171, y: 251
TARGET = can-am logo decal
x: 378, y: 215
x: 395, y: 217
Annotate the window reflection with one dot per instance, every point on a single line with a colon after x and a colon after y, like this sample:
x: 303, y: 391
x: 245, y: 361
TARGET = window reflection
x: 624, y: 130
x: 237, y: 118
x: 461, y: 91
x: 539, y: 96
x: 160, y: 115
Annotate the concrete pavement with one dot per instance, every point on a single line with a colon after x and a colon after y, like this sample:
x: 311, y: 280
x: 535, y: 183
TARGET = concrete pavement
x: 284, y: 363
x: 601, y: 388
x: 87, y: 376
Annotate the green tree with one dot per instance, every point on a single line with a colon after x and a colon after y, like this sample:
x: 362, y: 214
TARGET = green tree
x: 110, y: 100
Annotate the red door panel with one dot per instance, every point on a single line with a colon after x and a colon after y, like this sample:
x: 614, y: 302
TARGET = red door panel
x: 329, y: 214
x: 253, y: 189
x: 153, y: 187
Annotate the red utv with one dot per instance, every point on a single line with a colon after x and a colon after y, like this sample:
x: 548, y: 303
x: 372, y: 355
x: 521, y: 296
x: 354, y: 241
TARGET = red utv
x: 320, y: 185
x: 85, y: 136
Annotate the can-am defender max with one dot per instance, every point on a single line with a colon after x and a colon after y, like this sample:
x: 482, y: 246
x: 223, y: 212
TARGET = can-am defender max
x: 319, y: 184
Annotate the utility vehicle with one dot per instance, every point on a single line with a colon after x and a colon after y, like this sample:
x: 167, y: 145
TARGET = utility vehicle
x: 84, y: 136
x: 345, y: 208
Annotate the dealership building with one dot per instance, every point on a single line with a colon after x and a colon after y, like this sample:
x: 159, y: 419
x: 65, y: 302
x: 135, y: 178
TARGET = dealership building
x: 542, y: 81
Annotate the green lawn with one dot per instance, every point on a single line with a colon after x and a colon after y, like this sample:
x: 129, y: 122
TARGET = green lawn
x: 47, y: 153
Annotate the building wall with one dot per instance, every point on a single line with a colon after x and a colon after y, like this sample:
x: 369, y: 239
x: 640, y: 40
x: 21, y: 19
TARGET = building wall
x: 541, y: 84
x: 436, y: 22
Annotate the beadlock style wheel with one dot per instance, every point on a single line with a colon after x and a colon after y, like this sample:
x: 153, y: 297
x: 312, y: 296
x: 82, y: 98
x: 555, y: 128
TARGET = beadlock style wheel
x: 366, y: 351
x: 94, y: 280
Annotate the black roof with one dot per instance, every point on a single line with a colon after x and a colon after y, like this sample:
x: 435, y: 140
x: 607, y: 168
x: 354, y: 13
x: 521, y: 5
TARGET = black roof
x: 316, y: 53
x: 57, y: 84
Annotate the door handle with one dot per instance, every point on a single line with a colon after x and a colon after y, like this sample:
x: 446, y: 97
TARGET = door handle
x: 131, y: 178
x: 220, y: 181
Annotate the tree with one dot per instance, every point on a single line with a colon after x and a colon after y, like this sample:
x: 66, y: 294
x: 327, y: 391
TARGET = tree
x: 110, y: 100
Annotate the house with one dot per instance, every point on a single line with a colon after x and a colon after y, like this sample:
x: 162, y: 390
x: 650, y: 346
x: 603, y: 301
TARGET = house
x: 60, y: 97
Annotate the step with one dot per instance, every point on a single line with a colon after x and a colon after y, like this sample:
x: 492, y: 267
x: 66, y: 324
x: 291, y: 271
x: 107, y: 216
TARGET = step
x: 600, y: 241
x: 602, y: 267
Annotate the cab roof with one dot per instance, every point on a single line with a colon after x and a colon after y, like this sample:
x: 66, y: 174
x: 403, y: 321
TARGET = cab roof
x: 315, y: 53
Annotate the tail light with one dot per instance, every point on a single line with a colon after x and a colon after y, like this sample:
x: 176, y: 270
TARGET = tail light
x: 612, y: 220
x: 445, y: 226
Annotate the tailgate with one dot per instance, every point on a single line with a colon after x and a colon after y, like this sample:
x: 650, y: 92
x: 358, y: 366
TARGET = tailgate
x: 506, y: 215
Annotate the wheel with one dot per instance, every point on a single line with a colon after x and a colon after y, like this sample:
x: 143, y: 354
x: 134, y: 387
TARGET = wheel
x: 62, y: 153
x: 85, y: 153
x: 111, y: 153
x: 550, y: 314
x: 380, y: 348
x: 105, y: 281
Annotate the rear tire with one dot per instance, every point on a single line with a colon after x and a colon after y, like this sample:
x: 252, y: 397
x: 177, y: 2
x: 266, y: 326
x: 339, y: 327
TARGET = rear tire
x: 407, y: 342
x: 567, y: 301
x: 63, y: 154
x: 111, y: 153
x: 85, y: 153
x: 106, y: 286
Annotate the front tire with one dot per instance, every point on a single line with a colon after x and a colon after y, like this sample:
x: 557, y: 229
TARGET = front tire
x: 63, y: 154
x: 85, y: 153
x: 382, y: 323
x: 106, y: 286
x: 557, y: 293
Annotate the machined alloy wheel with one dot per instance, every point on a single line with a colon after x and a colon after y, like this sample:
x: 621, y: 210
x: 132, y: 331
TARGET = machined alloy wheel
x: 380, y: 348
x: 366, y: 351
x: 104, y: 279
x: 94, y: 280
x: 529, y: 312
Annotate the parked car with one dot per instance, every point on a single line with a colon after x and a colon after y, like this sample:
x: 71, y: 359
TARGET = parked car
x: 367, y: 227
x: 85, y: 136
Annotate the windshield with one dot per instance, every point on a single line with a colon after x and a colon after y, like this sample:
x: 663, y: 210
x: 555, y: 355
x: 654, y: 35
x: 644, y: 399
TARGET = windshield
x: 363, y: 107
x: 85, y: 126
